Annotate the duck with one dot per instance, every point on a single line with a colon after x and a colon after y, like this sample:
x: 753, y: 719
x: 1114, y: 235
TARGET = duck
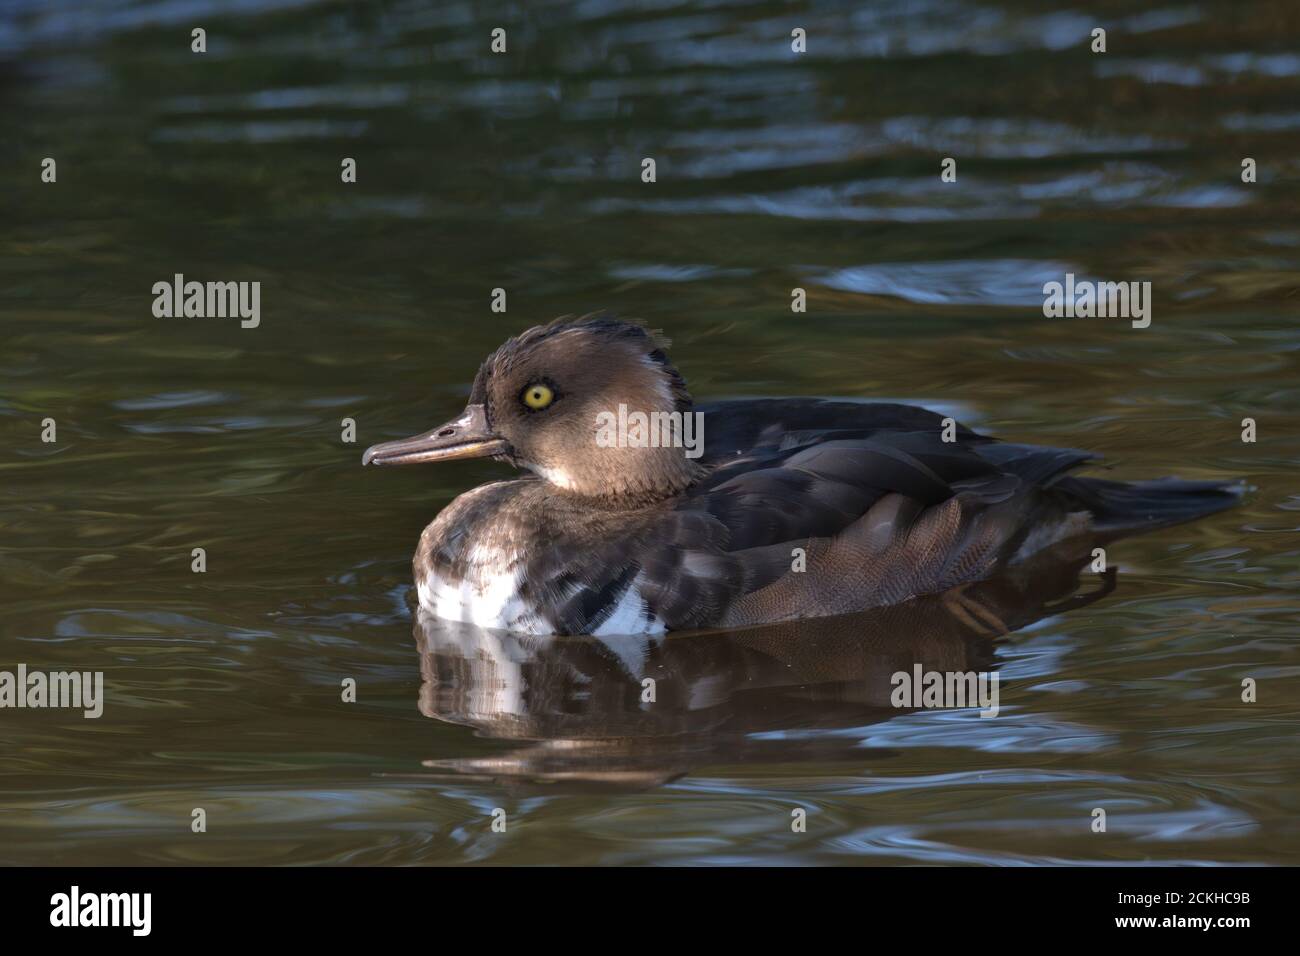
x: 774, y: 510
x: 573, y: 708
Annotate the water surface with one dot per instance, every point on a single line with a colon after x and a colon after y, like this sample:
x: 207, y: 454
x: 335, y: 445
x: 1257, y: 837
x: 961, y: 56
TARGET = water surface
x: 522, y: 171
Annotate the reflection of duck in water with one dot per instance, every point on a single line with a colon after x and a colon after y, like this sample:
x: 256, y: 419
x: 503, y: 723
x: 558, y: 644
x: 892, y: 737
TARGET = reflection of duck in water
x: 580, y: 707
x: 623, y: 535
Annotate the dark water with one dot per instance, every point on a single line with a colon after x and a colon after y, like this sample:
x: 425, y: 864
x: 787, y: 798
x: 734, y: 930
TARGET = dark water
x: 522, y: 171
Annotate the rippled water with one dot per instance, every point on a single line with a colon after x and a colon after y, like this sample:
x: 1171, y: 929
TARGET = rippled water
x: 522, y: 171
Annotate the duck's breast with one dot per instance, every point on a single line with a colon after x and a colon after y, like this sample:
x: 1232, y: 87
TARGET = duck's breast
x: 484, y: 590
x: 493, y: 558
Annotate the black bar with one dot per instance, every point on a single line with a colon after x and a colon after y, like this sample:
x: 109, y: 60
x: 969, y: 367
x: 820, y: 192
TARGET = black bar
x: 333, y: 904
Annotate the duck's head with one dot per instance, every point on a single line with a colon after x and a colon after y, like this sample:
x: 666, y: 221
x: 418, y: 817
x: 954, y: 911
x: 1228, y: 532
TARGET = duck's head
x: 545, y: 401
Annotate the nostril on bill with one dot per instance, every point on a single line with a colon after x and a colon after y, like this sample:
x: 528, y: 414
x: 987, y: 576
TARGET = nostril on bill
x: 446, y: 432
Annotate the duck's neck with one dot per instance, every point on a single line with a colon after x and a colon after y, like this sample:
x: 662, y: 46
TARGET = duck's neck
x: 610, y: 482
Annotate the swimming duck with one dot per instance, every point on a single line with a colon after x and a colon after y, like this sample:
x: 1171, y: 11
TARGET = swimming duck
x: 788, y: 508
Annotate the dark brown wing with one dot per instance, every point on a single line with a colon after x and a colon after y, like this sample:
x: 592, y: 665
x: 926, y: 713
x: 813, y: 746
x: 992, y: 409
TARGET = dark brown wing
x: 883, y: 507
x: 856, y: 485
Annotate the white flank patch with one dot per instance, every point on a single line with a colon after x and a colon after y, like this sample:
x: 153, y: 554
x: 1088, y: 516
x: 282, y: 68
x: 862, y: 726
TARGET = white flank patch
x: 629, y: 617
x: 1044, y: 536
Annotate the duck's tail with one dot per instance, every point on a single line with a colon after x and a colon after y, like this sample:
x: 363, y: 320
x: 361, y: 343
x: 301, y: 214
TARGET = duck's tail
x: 1132, y: 507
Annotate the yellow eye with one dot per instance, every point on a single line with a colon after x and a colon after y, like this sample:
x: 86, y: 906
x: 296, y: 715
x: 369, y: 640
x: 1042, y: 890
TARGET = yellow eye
x: 538, y: 396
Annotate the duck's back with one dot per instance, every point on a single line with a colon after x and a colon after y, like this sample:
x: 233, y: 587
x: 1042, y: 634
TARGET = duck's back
x: 807, y: 508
